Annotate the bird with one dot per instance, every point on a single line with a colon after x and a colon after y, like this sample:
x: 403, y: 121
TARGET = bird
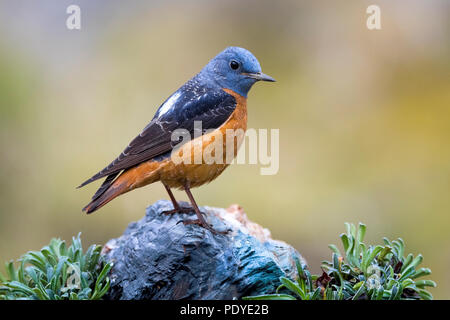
x: 217, y: 98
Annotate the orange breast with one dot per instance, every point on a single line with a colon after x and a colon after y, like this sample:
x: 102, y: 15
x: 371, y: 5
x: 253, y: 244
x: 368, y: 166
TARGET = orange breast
x: 176, y: 175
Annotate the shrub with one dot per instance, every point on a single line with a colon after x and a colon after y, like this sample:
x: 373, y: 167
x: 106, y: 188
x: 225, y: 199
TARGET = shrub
x: 380, y: 272
x: 57, y: 272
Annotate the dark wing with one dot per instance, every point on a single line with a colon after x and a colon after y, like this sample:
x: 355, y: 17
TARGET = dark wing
x: 211, y: 107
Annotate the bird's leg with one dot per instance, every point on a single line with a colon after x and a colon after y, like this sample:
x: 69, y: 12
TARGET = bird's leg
x: 176, y: 206
x: 200, y: 220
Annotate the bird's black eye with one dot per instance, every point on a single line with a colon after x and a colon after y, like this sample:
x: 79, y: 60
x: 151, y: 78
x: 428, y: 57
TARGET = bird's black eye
x: 234, y: 64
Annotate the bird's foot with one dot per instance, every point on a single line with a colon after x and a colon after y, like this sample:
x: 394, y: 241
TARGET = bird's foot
x: 203, y: 224
x: 179, y: 210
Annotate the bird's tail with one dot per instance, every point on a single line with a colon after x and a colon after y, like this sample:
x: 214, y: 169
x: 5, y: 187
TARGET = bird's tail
x: 108, y: 193
x: 136, y: 177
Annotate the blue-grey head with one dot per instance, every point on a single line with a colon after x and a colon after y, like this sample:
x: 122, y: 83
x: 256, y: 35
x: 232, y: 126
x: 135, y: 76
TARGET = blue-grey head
x: 236, y: 69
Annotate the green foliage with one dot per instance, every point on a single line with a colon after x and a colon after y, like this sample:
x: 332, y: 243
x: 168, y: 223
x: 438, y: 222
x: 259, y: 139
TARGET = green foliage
x: 57, y: 272
x: 379, y: 272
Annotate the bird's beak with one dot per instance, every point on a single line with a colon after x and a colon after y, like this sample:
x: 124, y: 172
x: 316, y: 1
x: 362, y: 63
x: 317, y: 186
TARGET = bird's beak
x: 259, y: 76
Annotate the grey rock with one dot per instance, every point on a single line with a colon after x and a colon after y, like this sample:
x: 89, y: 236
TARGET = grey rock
x: 160, y: 258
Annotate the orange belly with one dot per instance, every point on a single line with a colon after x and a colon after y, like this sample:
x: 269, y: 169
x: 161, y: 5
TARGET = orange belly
x: 175, y: 174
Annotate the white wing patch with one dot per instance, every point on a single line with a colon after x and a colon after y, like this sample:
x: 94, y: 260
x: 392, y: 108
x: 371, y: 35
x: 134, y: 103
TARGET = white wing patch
x: 168, y: 104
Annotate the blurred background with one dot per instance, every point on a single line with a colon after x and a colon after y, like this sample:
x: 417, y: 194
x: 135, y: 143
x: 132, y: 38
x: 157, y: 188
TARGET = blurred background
x: 364, y: 116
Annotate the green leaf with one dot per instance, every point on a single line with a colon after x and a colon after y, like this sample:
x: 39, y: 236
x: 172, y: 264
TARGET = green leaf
x: 379, y: 294
x: 397, y: 292
x: 425, y: 295
x: 309, y: 280
x: 408, y: 283
x: 336, y: 265
x: 361, y: 232
x: 367, y: 260
x: 407, y: 262
x: 335, y: 249
x: 103, y: 274
x: 421, y: 273
x: 425, y: 283
x: 18, y: 286
x: 316, y: 294
x: 360, y: 290
x: 345, y: 241
x: 33, y: 273
x: 37, y: 259
x: 105, y: 289
x: 418, y: 260
x: 292, y: 286
x: 408, y: 272
x: 386, y: 250
x: 11, y: 271
x: 20, y: 272
x: 299, y: 268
